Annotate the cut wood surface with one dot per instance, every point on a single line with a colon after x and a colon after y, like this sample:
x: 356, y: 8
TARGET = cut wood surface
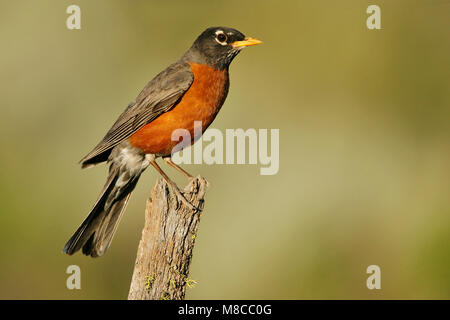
x: 165, y: 251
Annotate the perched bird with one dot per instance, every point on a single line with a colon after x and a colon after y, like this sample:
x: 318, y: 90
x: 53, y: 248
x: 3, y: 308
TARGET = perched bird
x: 192, y: 89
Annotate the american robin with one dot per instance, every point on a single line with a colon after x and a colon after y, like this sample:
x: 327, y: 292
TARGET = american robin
x: 192, y: 89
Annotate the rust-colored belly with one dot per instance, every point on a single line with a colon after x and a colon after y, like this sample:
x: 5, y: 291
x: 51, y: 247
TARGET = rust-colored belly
x: 201, y: 102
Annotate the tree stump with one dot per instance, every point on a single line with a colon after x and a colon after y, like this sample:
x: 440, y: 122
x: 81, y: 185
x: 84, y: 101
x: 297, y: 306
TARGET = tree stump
x: 165, y: 250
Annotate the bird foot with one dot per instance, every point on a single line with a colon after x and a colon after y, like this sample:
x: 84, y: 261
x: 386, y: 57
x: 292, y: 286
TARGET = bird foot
x: 180, y: 198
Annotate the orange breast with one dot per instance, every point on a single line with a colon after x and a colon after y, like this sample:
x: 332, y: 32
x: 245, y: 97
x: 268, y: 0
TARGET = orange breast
x: 201, y: 102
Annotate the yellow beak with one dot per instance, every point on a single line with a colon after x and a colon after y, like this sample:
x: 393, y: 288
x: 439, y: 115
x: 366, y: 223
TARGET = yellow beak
x: 246, y: 42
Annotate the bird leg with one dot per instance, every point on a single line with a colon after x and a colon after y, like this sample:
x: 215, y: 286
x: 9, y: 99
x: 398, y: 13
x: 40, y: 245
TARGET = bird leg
x: 178, y: 168
x: 173, y: 186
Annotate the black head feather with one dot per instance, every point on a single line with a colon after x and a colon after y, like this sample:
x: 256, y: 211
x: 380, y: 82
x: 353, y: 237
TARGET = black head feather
x: 214, y: 47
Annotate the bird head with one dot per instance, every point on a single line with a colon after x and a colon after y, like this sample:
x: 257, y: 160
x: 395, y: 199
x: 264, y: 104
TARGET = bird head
x: 217, y: 46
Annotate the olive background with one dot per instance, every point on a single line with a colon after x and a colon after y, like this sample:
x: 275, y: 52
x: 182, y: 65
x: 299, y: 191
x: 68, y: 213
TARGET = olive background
x: 363, y: 115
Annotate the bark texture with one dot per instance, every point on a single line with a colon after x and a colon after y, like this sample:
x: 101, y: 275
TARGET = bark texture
x: 165, y: 250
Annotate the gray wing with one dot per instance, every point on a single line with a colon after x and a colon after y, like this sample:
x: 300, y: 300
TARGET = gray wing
x: 159, y: 96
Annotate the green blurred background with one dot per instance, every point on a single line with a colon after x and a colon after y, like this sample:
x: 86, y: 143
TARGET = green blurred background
x: 364, y: 146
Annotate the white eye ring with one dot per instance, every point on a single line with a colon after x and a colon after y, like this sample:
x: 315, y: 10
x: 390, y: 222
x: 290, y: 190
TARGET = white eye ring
x: 220, y: 33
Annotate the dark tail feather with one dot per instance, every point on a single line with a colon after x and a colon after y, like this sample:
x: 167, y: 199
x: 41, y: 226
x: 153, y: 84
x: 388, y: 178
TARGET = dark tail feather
x: 97, y: 230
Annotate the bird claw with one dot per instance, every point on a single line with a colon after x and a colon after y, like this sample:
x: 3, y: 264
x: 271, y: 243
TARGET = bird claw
x: 180, y: 198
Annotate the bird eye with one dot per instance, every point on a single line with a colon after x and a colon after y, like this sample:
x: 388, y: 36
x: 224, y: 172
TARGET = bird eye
x: 221, y: 38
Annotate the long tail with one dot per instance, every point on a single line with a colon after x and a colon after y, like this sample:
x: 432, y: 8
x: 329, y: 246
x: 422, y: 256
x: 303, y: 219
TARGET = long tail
x: 96, y: 232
